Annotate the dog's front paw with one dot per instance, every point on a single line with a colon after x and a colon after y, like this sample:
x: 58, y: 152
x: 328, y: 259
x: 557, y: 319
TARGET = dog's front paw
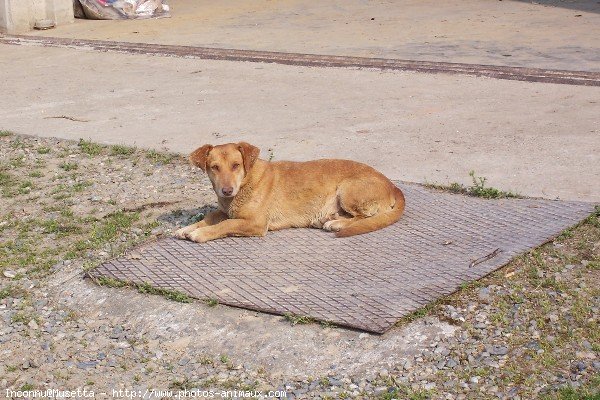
x: 181, y: 233
x: 197, y: 236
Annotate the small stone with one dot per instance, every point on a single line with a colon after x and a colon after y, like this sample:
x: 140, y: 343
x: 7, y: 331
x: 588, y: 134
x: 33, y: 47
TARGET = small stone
x: 184, y: 361
x: 32, y: 324
x: 552, y: 318
x: 334, y: 382
x: 87, y: 364
x: 498, y: 350
x: 378, y: 391
x: 587, y: 345
x: 579, y: 366
x: 9, y: 274
x: 474, y: 379
x: 484, y: 295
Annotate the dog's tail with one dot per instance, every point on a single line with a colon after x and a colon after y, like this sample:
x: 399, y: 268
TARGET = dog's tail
x: 377, y: 221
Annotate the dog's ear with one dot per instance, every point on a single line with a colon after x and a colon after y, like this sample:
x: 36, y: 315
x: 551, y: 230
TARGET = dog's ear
x: 199, y: 156
x: 249, y: 154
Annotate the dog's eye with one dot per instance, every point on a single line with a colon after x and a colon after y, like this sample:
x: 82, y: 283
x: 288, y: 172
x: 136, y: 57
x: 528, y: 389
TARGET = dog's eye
x: 235, y: 166
x: 214, y: 167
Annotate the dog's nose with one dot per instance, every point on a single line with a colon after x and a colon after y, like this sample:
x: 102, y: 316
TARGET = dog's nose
x: 227, y: 191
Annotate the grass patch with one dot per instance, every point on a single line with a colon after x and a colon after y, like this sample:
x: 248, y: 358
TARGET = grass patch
x: 60, y: 228
x: 107, y: 230
x: 121, y: 150
x: 158, y: 157
x: 167, y: 293
x: 110, y: 282
x: 145, y: 288
x: 295, y: 319
x: 43, y: 150
x: 477, y: 189
x: 4, y: 133
x: 89, y: 148
x: 68, y: 166
x: 590, y: 392
x: 211, y: 302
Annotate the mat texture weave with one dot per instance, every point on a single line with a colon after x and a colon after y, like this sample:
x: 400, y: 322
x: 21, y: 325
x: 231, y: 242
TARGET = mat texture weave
x: 367, y: 281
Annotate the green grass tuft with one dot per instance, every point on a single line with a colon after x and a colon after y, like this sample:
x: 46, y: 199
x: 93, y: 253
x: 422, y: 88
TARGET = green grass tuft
x: 89, y: 148
x: 477, y: 189
x: 121, y: 150
x: 159, y: 157
x: 68, y: 166
x: 298, y: 319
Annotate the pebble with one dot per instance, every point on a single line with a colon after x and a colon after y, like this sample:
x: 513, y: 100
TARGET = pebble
x: 87, y: 364
x: 484, y: 295
x: 9, y: 273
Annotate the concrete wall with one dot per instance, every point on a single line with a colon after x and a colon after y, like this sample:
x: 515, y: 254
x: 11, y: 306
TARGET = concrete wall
x: 18, y: 16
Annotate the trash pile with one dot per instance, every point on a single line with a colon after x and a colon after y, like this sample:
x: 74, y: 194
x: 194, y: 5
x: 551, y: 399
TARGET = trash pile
x: 120, y: 9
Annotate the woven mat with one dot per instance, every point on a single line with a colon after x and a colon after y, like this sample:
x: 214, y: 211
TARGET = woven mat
x: 367, y: 281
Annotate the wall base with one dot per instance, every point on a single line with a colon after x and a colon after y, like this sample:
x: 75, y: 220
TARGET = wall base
x: 19, y: 16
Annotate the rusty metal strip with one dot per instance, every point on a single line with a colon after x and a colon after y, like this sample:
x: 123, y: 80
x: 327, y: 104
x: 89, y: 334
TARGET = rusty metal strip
x: 582, y: 78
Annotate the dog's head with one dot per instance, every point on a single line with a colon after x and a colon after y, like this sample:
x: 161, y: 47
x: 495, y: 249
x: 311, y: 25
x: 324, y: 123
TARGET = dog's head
x: 226, y: 165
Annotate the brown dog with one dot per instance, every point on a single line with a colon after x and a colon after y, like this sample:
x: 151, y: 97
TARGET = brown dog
x: 256, y: 196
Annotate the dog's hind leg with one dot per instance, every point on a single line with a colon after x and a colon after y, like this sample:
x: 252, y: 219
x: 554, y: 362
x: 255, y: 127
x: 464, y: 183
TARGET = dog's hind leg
x: 360, y: 199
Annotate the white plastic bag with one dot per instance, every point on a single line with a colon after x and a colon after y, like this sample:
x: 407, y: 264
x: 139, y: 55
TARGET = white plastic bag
x: 124, y: 9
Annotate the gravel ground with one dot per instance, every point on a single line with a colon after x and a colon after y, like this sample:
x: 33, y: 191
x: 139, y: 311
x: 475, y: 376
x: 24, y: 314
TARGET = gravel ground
x: 530, y: 330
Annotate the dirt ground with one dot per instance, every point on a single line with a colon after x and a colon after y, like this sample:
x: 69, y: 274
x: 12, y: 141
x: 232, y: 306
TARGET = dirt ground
x: 528, y: 330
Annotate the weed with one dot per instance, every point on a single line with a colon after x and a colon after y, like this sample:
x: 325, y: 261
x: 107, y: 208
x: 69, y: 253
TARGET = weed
x: 107, y: 230
x: 224, y: 359
x: 4, y: 133
x: 477, y: 189
x: 6, y: 292
x: 211, y: 302
x: 120, y: 150
x: 167, y: 293
x: 25, y: 187
x: 60, y: 228
x: 157, y: 157
x: 89, y: 148
x: 68, y: 166
x: 43, y: 150
x: 297, y: 319
x: 110, y: 282
x: 184, y: 384
x: 206, y: 361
